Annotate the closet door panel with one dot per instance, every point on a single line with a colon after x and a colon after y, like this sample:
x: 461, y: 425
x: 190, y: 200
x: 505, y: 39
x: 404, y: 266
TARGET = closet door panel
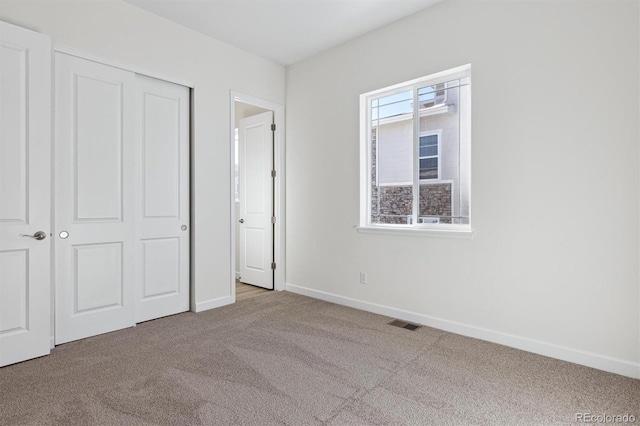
x: 162, y: 224
x: 95, y: 198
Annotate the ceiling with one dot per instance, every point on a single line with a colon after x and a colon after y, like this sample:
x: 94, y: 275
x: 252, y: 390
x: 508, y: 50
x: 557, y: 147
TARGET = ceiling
x: 284, y: 31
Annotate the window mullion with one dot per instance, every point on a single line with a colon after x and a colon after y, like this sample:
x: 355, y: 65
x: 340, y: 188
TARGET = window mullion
x: 416, y: 156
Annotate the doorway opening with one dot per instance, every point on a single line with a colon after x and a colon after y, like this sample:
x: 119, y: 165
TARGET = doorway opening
x: 257, y: 183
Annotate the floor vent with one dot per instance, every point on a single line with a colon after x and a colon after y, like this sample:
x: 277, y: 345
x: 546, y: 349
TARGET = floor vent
x: 404, y: 324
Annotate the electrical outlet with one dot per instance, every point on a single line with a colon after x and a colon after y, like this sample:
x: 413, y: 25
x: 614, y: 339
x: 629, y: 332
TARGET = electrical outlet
x: 363, y: 277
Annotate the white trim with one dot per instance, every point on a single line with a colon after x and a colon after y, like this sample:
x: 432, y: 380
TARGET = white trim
x: 396, y: 184
x: 576, y: 356
x: 422, y: 182
x: 127, y: 67
x: 425, y: 112
x: 432, y: 79
x: 279, y: 237
x: 365, y: 160
x: 438, y: 230
x: 415, y: 160
x: 214, y: 303
x: 192, y: 198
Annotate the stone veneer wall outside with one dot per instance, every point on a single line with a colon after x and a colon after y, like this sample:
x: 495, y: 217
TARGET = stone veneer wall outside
x: 389, y: 201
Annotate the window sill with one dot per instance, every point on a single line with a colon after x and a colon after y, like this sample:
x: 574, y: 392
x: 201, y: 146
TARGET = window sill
x: 465, y: 233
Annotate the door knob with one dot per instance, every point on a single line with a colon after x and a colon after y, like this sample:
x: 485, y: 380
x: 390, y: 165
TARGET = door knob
x: 241, y: 221
x: 40, y: 235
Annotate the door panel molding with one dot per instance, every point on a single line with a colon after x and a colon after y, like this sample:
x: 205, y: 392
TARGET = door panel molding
x: 98, y: 149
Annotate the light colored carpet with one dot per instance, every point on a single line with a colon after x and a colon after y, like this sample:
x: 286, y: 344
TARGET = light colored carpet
x: 282, y: 358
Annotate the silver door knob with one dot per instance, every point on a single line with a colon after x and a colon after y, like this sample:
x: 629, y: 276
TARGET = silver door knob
x: 183, y: 227
x: 241, y: 221
x: 40, y: 235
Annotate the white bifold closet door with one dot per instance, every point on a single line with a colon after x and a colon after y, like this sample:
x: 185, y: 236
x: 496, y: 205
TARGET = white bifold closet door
x: 111, y: 142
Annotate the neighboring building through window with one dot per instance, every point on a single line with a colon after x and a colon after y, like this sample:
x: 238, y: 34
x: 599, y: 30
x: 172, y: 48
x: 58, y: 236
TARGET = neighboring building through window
x: 417, y: 152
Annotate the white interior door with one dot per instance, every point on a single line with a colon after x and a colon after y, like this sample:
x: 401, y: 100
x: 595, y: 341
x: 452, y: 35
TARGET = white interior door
x: 162, y: 225
x: 25, y: 198
x: 255, y: 149
x: 94, y: 205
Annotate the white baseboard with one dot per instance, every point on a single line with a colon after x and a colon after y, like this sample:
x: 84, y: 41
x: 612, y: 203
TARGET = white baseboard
x: 52, y: 342
x: 576, y: 356
x: 213, y: 303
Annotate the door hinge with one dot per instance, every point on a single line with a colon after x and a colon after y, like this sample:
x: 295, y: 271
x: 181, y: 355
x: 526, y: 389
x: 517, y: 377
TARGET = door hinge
x: 273, y: 265
x: 273, y: 127
x: 273, y: 219
x: 273, y: 173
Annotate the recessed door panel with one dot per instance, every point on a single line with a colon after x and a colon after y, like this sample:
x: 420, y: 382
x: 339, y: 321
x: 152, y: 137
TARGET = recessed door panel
x: 98, y: 276
x: 161, y: 154
x: 161, y: 267
x: 14, y: 288
x: 257, y: 177
x: 254, y: 252
x: 25, y: 196
x: 98, y: 141
x: 13, y: 125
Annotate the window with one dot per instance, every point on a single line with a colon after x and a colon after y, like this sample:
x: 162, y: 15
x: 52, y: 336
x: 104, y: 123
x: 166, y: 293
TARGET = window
x: 416, y: 154
x: 429, y: 164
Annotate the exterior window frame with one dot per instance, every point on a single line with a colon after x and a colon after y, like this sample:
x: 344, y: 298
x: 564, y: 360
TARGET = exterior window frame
x: 437, y: 133
x: 365, y: 225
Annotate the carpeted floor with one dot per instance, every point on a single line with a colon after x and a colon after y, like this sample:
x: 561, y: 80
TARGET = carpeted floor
x: 286, y: 359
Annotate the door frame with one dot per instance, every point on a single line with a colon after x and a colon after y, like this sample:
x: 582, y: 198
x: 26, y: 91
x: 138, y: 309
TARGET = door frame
x: 278, y: 196
x: 72, y: 51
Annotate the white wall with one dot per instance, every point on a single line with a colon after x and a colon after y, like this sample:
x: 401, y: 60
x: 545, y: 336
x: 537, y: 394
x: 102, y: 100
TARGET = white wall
x: 121, y: 32
x: 554, y: 265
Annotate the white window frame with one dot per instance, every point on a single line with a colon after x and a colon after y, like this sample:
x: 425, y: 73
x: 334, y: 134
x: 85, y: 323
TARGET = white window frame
x: 432, y: 229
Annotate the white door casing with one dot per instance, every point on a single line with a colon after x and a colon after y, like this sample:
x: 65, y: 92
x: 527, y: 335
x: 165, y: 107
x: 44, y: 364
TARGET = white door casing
x: 162, y: 225
x: 25, y: 150
x: 94, y: 204
x: 255, y: 149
